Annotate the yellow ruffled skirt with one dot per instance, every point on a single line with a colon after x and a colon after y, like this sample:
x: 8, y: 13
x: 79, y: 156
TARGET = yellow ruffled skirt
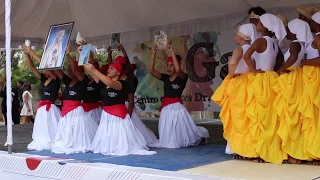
x: 290, y: 88
x: 264, y: 121
x: 309, y: 109
x: 231, y: 95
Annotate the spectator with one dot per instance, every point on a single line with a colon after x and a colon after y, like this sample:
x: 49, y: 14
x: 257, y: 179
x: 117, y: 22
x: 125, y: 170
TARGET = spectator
x: 27, y: 110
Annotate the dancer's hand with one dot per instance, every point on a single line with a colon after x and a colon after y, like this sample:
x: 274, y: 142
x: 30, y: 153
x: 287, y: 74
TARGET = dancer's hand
x: 83, y: 42
x: 155, y: 48
x: 26, y: 49
x: 109, y: 50
x: 120, y: 47
x: 68, y: 49
x: 89, y: 67
x: 169, y: 48
x: 303, y: 62
x: 79, y: 49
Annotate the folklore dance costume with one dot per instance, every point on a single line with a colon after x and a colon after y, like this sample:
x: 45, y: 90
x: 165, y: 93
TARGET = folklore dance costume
x: 47, y: 117
x: 176, y: 127
x: 76, y: 129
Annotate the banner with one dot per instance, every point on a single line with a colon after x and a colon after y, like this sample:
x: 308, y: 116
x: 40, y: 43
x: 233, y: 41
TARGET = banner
x: 204, y: 58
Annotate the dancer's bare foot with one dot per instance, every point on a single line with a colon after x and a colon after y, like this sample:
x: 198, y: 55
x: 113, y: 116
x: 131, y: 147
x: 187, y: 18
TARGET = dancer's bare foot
x: 314, y: 162
x: 238, y: 157
x: 258, y: 160
x: 292, y: 160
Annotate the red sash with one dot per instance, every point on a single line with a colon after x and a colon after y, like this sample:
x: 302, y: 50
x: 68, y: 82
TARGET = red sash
x: 89, y: 106
x: 69, y: 105
x: 118, y: 110
x: 100, y: 103
x: 167, y: 101
x: 46, y: 103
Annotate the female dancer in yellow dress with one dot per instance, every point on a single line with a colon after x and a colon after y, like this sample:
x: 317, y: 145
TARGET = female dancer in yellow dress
x: 311, y: 94
x: 264, y: 123
x: 290, y: 88
x: 232, y: 95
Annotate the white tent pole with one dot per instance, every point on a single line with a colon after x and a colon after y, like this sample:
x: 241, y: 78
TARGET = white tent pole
x: 8, y: 75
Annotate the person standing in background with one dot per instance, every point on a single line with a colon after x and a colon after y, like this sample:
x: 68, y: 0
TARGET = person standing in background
x: 20, y: 84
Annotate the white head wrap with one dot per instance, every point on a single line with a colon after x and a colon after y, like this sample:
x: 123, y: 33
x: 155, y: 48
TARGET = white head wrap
x: 316, y: 17
x: 248, y: 32
x: 301, y: 29
x: 274, y: 24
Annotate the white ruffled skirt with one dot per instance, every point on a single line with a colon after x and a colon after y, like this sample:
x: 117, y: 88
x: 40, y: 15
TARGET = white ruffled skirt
x: 45, y: 128
x: 75, y: 133
x: 117, y: 136
x: 96, y: 114
x: 147, y: 134
x: 177, y: 129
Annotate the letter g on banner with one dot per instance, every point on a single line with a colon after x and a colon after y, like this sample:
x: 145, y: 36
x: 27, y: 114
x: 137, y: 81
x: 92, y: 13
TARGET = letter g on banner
x: 210, y: 66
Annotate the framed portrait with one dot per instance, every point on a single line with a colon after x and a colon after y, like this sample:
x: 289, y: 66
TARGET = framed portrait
x: 115, y: 40
x: 161, y: 39
x: 57, y: 41
x: 84, y: 54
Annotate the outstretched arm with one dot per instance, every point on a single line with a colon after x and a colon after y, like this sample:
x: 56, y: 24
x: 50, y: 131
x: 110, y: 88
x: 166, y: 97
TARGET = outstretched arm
x: 105, y: 79
x: 176, y: 63
x: 152, y: 71
x: 73, y: 64
x: 32, y: 67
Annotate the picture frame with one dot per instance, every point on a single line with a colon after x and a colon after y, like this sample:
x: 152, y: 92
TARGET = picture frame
x: 57, y: 40
x: 115, y: 40
x: 161, y: 39
x: 84, y: 55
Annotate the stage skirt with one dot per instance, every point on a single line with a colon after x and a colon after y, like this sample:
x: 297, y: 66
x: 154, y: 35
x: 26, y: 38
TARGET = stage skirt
x: 96, y: 114
x: 309, y: 109
x: 264, y: 121
x: 177, y: 129
x: 45, y: 128
x: 119, y: 137
x: 147, y: 134
x: 75, y: 133
x: 290, y: 88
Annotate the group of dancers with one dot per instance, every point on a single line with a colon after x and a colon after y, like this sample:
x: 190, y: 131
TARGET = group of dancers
x: 270, y: 102
x: 98, y: 113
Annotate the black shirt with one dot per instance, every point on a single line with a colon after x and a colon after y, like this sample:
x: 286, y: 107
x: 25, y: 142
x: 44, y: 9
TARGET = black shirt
x: 75, y: 92
x: 175, y: 88
x: 50, y: 91
x: 92, y: 93
x: 112, y: 96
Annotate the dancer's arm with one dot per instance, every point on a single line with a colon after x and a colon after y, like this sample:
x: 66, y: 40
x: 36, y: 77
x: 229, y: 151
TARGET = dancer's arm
x: 131, y: 103
x: 314, y: 61
x: 152, y: 71
x: 176, y: 63
x: 73, y: 64
x: 105, y: 79
x: 235, y: 58
x: 257, y: 46
x: 124, y: 52
x: 279, y: 61
x: 32, y: 67
x: 295, y: 48
x: 28, y: 50
x: 109, y: 55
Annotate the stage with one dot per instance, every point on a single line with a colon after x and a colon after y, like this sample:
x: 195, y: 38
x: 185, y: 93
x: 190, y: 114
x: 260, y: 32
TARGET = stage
x: 203, y: 162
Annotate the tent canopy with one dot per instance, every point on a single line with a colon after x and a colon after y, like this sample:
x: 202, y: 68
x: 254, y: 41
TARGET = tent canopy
x: 94, y: 18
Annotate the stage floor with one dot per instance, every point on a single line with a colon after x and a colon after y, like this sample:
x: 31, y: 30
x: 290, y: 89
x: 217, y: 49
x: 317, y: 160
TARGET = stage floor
x: 209, y: 160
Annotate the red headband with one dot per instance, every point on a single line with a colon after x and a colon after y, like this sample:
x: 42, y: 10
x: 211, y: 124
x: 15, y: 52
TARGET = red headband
x: 118, y: 67
x: 133, y: 67
x: 104, y: 67
x: 121, y: 60
x: 170, y: 59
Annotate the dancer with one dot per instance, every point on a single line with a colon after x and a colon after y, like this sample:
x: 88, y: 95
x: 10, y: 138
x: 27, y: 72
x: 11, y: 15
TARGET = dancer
x: 48, y: 114
x: 116, y: 134
x: 305, y: 13
x: 176, y: 127
x: 90, y: 102
x: 76, y: 129
x: 131, y: 82
x: 290, y: 88
x: 255, y: 13
x: 231, y: 95
x: 311, y: 95
x: 264, y: 121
